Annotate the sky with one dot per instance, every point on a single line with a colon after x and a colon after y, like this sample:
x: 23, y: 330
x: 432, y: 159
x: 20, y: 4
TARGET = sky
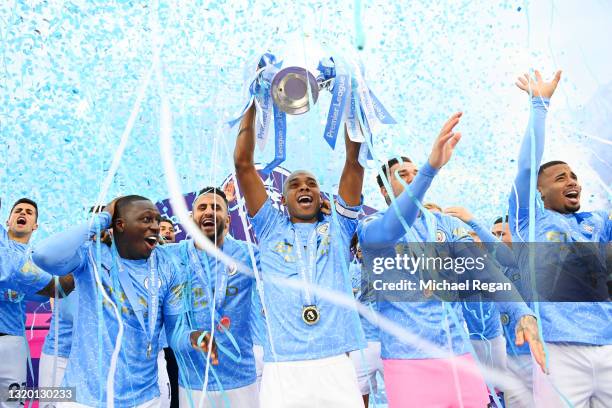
x: 72, y: 73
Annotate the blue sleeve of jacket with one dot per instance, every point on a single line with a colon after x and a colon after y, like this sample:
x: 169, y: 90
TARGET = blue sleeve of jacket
x: 59, y: 253
x: 519, y: 198
x: 388, y: 228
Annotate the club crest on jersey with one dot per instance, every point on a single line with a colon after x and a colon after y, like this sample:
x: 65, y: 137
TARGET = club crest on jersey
x: 440, y: 236
x: 146, y: 283
x: 232, y: 269
x: 323, y: 229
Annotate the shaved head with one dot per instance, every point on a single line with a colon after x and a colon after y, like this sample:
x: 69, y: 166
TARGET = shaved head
x: 295, y: 174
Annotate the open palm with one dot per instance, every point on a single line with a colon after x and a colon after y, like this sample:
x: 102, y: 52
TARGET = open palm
x: 538, y: 87
x: 445, y: 143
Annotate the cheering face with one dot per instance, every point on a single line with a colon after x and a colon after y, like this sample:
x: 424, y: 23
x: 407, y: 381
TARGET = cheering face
x: 166, y: 230
x: 559, y: 188
x: 22, y: 220
x: 302, y: 196
x: 406, y: 171
x: 502, y: 232
x: 211, y: 215
x: 138, y: 228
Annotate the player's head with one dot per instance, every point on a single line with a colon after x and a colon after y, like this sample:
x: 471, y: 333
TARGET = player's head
x: 166, y: 230
x: 135, y: 226
x: 559, y: 187
x: 210, y: 213
x: 405, y: 169
x: 22, y: 221
x: 302, y: 196
x: 501, y: 230
x: 433, y: 207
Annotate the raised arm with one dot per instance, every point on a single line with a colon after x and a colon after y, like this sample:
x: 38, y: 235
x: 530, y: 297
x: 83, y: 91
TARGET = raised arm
x: 541, y: 93
x: 502, y: 253
x: 59, y: 253
x: 351, y: 180
x: 250, y: 183
x: 389, y: 228
x: 66, y: 286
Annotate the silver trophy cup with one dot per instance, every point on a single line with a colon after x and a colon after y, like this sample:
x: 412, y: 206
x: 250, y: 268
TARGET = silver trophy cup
x: 291, y: 87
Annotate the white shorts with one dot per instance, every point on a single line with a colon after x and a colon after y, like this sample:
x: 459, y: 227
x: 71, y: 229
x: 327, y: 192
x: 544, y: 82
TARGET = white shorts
x: 258, y: 353
x: 580, y: 375
x: 521, y: 368
x: 367, y: 363
x: 13, y: 366
x: 243, y: 397
x: 491, y: 352
x: 326, y: 382
x: 45, y: 370
x: 163, y: 381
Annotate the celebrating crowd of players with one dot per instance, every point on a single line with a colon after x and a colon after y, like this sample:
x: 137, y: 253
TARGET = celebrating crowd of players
x: 275, y: 338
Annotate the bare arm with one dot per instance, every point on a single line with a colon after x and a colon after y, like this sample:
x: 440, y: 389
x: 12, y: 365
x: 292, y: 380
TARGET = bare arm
x: 351, y: 180
x: 66, y: 282
x: 250, y: 183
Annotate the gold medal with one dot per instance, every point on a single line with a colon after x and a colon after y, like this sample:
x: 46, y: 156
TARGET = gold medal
x: 310, y: 315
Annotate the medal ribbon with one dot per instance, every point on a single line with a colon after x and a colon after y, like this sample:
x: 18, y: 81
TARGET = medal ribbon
x: 308, y: 273
x: 130, y: 292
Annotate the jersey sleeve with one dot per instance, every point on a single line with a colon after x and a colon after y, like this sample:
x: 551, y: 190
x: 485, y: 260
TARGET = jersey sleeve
x: 532, y: 150
x: 387, y: 229
x: 62, y: 253
x: 266, y: 220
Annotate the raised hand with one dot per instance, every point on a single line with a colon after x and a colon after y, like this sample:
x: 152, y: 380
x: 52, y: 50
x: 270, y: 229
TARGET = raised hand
x: 538, y: 87
x: 460, y: 212
x: 110, y: 207
x: 445, y: 142
x: 326, y: 207
x: 230, y: 191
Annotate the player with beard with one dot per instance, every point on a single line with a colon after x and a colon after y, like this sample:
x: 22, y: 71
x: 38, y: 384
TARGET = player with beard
x: 311, y: 336
x: 415, y: 375
x: 578, y: 334
x: 212, y: 285
x: 140, y: 281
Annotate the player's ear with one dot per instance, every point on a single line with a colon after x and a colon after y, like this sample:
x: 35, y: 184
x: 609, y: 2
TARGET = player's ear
x: 119, y: 225
x: 35, y: 226
x: 283, y: 201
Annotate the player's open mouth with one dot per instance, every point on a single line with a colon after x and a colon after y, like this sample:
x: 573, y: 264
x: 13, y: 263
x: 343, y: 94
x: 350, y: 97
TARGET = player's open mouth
x: 304, y: 201
x: 151, y: 241
x: 573, y: 196
x: 21, y: 221
x: 208, y: 223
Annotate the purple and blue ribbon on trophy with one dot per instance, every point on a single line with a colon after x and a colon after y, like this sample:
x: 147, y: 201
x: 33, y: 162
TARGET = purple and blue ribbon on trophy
x: 278, y: 91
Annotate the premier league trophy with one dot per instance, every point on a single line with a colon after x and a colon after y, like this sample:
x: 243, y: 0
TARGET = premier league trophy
x: 278, y: 88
